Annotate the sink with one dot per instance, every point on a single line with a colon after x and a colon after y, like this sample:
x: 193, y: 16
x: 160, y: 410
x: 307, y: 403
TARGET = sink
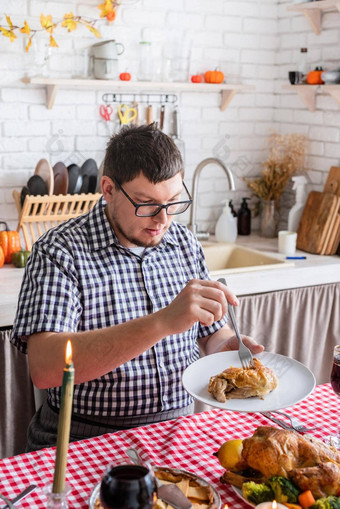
x: 224, y: 258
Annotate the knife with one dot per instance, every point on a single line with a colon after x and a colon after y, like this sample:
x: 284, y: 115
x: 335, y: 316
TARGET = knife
x: 169, y: 493
x: 21, y: 495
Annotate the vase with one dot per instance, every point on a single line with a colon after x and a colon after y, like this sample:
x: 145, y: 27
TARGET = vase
x: 269, y: 218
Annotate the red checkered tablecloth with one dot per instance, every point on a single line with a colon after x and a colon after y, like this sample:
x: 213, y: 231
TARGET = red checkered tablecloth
x: 186, y: 442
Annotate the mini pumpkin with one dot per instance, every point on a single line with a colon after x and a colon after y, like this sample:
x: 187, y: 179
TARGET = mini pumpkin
x: 314, y: 77
x: 10, y: 242
x: 125, y: 76
x: 2, y: 257
x: 196, y: 78
x: 213, y: 76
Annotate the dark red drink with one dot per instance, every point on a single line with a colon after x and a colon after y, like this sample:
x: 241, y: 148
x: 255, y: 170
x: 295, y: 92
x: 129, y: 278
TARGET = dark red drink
x: 127, y: 487
x: 335, y: 375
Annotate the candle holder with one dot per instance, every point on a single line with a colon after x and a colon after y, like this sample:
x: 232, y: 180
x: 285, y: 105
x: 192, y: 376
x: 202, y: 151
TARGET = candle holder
x: 56, y: 500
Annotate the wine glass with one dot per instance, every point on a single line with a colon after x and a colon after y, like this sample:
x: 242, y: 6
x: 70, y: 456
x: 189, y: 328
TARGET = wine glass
x: 335, y: 383
x: 128, y: 487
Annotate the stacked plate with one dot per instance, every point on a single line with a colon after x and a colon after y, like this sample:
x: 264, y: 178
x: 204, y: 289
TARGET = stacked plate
x: 61, y: 179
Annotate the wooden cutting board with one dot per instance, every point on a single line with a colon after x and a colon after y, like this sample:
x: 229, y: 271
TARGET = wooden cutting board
x: 332, y: 234
x: 332, y: 184
x: 315, y: 222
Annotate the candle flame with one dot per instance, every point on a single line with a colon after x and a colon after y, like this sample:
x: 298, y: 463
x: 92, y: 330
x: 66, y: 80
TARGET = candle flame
x: 68, y: 356
x: 226, y: 506
x: 274, y: 504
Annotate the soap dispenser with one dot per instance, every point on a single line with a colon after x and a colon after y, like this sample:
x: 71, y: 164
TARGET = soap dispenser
x: 226, y: 226
x: 295, y: 213
x: 232, y: 208
x: 244, y: 218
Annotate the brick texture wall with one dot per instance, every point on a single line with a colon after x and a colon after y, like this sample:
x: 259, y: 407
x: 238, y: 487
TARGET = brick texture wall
x: 256, y: 41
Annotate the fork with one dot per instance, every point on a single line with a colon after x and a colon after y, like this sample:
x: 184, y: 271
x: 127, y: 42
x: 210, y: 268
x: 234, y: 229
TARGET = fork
x: 297, y: 426
x: 295, y: 423
x: 244, y: 353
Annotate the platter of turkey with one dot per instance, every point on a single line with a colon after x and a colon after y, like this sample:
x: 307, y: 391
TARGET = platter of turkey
x: 282, y: 465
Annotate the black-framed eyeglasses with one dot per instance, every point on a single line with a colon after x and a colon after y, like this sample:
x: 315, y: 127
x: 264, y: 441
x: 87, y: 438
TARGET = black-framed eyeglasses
x: 152, y: 209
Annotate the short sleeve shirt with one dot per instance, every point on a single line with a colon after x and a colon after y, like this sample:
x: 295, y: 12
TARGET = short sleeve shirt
x: 79, y: 277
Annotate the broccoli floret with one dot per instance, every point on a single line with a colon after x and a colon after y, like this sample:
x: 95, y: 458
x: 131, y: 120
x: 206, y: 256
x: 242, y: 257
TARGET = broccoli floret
x: 331, y: 502
x: 284, y: 490
x: 257, y: 493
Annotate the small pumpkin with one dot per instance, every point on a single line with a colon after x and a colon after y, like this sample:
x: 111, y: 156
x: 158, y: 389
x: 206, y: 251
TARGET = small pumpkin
x: 19, y: 258
x: 314, y: 77
x: 2, y: 257
x: 196, y: 78
x: 213, y: 76
x: 10, y: 242
x: 125, y: 76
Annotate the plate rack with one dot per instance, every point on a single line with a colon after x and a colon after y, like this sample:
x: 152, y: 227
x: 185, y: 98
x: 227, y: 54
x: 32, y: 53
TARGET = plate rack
x: 40, y: 213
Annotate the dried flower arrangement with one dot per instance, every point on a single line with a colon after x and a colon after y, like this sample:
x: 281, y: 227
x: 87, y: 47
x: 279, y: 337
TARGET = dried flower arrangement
x: 285, y: 157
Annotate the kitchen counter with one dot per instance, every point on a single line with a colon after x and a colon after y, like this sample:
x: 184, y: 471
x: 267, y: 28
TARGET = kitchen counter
x: 315, y: 270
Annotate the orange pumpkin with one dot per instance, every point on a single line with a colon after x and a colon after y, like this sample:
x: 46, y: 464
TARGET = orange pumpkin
x: 213, y: 76
x: 2, y: 257
x: 196, y: 78
x: 314, y: 77
x: 9, y: 242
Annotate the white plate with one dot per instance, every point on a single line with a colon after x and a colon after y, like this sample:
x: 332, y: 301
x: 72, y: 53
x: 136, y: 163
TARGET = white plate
x: 296, y: 382
x: 202, y: 482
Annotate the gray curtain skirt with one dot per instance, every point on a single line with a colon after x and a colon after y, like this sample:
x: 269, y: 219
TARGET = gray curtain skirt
x: 42, y: 431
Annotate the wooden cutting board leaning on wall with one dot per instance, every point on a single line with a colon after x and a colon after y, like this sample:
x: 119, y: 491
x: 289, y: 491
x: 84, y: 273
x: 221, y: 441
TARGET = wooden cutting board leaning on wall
x: 317, y: 222
x: 332, y: 185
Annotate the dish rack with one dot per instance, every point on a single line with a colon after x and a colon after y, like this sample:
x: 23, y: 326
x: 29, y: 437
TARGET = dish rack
x: 40, y: 213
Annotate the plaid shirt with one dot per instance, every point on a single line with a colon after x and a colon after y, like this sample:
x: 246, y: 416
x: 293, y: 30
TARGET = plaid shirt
x: 79, y: 277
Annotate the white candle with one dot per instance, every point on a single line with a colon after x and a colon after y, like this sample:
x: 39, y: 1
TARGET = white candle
x: 270, y: 505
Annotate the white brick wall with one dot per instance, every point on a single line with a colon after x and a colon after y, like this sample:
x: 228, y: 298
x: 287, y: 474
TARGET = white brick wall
x: 256, y: 40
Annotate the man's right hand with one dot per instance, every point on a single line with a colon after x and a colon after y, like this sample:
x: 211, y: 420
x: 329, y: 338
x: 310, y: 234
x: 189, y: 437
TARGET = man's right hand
x: 201, y: 301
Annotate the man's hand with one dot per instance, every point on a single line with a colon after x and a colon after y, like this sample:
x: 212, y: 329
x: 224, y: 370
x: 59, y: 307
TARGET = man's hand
x: 225, y: 340
x: 200, y: 301
x: 232, y: 344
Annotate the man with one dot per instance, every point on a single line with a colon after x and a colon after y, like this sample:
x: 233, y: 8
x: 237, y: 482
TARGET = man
x: 129, y: 287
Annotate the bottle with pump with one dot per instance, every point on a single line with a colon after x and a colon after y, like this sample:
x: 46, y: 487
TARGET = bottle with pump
x: 244, y: 218
x: 295, y: 213
x: 226, y: 226
x: 232, y: 208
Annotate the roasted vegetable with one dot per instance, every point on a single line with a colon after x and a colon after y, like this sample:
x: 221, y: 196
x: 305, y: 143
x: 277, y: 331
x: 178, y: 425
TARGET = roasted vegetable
x: 257, y: 493
x: 330, y: 502
x: 19, y: 258
x: 10, y: 242
x: 284, y: 490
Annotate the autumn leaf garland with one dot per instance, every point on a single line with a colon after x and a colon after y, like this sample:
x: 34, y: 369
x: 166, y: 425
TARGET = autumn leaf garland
x: 70, y: 22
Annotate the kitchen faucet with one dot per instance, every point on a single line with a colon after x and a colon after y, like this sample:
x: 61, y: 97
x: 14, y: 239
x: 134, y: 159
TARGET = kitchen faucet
x: 210, y: 160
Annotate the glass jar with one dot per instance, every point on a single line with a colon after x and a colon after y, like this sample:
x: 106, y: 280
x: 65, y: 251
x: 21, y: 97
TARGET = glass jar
x: 145, y: 68
x: 269, y: 218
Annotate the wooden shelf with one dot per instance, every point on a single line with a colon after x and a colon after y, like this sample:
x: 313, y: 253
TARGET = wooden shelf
x: 308, y: 92
x: 313, y: 11
x: 53, y: 84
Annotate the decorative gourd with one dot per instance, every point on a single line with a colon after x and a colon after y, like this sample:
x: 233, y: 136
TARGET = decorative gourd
x: 2, y: 257
x: 213, y: 76
x: 314, y: 77
x: 196, y: 78
x: 10, y: 242
x: 125, y: 76
x: 19, y: 259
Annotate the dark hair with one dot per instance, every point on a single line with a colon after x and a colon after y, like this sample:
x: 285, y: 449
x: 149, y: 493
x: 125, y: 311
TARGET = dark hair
x: 144, y: 149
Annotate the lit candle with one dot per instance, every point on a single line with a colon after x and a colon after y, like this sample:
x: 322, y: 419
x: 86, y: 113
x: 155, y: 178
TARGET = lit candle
x: 64, y: 423
x: 270, y: 505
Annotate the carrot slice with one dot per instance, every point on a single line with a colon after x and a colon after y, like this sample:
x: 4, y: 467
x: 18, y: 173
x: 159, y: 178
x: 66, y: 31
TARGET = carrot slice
x: 306, y: 499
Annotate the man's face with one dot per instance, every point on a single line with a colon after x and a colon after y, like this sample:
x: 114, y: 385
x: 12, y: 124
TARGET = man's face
x: 135, y: 231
